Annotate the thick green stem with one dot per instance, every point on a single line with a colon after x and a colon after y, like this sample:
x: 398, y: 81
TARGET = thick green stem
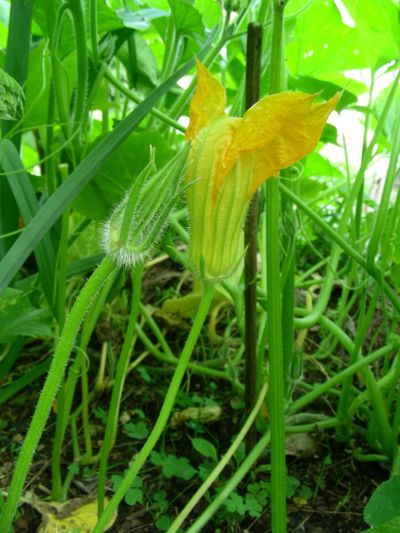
x: 164, y: 413
x: 253, y: 69
x: 120, y: 375
x: 50, y: 388
x: 276, y: 395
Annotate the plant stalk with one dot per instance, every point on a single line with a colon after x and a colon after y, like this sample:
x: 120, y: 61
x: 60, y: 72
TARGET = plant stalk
x: 253, y: 70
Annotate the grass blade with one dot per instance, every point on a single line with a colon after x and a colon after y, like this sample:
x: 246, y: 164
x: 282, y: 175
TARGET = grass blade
x: 25, y: 197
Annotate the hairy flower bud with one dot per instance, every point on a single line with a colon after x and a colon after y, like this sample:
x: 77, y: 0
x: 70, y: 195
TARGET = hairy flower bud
x: 11, y: 98
x: 137, y: 222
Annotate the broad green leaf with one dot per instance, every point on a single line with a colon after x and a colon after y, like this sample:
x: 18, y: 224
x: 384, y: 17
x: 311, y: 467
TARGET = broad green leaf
x: 378, y: 27
x: 384, y: 504
x: 205, y: 447
x: 138, y: 431
x: 118, y: 173
x: 187, y: 19
x: 391, y: 526
x: 211, y: 12
x: 146, y: 63
x: 316, y: 165
x: 327, y: 89
x: 107, y: 21
x: 322, y: 44
x: 18, y: 317
x: 140, y: 19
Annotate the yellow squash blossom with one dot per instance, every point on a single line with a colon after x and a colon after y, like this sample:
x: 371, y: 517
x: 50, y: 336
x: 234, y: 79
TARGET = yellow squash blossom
x: 230, y: 157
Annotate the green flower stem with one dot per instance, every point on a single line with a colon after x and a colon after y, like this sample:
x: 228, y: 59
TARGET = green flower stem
x: 276, y: 396
x: 378, y: 232
x: 76, y: 9
x: 165, y: 412
x: 171, y: 48
x: 137, y: 99
x: 51, y: 386
x: 380, y: 414
x: 195, y: 367
x: 233, y: 482
x: 58, y: 74
x: 339, y: 378
x: 50, y: 161
x: 58, y: 492
x: 156, y: 330
x: 93, y: 32
x: 338, y: 239
x: 118, y: 386
x: 221, y: 465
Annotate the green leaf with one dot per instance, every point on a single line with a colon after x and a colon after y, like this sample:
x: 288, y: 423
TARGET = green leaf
x: 163, y: 523
x: 391, y: 526
x: 133, y: 496
x: 140, y: 19
x: 186, y: 18
x: 384, y: 504
x: 138, y: 431
x: 107, y: 21
x: 205, y: 447
x: 173, y: 466
x: 235, y: 504
x: 146, y: 63
x: 333, y: 46
x: 211, y: 12
x: 317, y: 165
x: 18, y: 317
x: 253, y: 506
x: 118, y: 173
x: 327, y: 89
x: 291, y: 486
x: 378, y: 28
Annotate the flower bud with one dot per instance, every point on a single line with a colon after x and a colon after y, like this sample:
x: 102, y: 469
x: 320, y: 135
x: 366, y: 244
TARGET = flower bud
x: 137, y: 222
x: 11, y: 98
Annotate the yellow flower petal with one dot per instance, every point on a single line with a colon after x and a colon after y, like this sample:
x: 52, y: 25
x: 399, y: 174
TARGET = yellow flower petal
x: 208, y: 102
x: 280, y: 129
